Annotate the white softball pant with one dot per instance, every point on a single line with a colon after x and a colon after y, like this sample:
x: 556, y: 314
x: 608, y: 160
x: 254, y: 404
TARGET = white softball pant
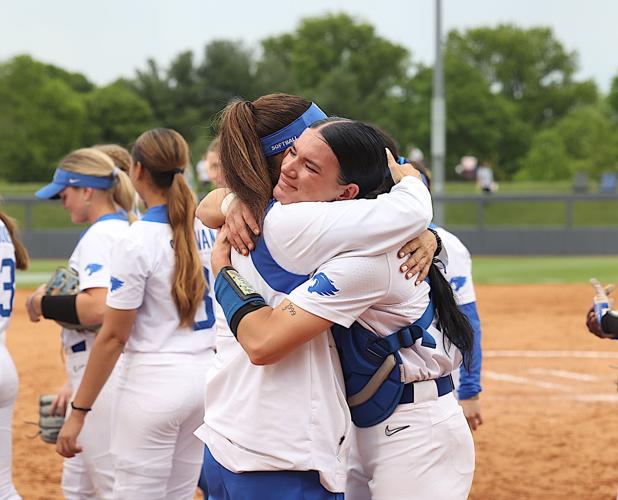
x: 160, y: 403
x: 423, y: 451
x: 8, y: 394
x: 91, y: 473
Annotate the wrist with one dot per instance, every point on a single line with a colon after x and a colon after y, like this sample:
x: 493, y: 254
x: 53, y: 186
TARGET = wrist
x: 226, y: 202
x: 79, y: 410
x: 438, y: 241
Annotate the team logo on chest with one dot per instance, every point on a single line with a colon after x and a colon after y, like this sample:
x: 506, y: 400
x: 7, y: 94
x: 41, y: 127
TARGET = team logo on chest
x: 322, y: 285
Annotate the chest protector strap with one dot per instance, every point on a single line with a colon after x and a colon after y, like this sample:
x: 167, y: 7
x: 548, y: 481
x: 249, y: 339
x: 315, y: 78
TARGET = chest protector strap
x: 373, y: 369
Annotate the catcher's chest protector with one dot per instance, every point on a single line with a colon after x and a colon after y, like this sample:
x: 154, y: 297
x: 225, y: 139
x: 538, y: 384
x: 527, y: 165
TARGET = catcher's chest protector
x: 373, y: 369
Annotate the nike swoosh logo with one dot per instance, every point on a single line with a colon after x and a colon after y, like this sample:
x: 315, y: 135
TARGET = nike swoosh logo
x: 73, y: 181
x: 394, y: 430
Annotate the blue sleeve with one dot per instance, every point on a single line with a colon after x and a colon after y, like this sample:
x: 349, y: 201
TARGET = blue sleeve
x: 470, y: 380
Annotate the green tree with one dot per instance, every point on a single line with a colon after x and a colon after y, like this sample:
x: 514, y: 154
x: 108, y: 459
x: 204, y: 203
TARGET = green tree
x: 41, y: 119
x: 116, y: 114
x: 547, y: 159
x: 528, y: 66
x: 339, y: 62
x: 612, y: 99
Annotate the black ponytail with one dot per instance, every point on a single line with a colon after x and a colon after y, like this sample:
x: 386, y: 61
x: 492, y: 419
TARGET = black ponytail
x: 453, y: 324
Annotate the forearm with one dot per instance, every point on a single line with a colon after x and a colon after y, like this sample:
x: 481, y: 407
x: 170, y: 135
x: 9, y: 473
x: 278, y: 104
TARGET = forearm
x: 90, y: 310
x: 105, y: 353
x: 470, y: 379
x: 259, y: 339
x: 209, y: 209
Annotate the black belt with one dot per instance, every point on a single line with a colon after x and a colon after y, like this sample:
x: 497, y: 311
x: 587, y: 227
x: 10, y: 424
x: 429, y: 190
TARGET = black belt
x: 444, y: 384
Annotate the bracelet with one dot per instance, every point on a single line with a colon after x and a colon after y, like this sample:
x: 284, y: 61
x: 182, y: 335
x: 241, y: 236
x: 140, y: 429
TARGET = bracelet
x: 226, y: 202
x: 438, y: 241
x: 79, y: 408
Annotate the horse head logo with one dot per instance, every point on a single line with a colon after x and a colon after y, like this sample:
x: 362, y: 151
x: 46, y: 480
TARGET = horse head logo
x: 322, y: 285
x: 457, y: 282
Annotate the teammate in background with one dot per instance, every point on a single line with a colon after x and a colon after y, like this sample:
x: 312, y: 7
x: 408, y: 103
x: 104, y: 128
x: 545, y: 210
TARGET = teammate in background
x: 458, y: 273
x: 13, y: 255
x: 90, y: 187
x: 159, y: 311
x: 607, y: 326
x: 119, y: 155
x: 122, y: 159
x: 339, y: 159
x: 209, y: 167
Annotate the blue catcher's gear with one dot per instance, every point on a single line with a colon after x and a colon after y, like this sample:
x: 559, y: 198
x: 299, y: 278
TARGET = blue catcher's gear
x: 372, y: 366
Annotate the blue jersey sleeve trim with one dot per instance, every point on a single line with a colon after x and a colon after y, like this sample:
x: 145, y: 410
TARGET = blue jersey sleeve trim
x: 470, y: 380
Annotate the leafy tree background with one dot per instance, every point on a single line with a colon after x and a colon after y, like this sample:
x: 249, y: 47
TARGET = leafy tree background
x: 511, y: 93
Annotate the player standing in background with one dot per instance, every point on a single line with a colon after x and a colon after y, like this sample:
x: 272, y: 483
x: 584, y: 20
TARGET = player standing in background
x: 90, y: 187
x: 13, y: 255
x: 160, y: 312
x: 458, y: 273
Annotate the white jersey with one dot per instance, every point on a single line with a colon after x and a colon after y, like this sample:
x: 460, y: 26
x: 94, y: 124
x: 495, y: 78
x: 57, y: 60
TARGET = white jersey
x: 459, y: 269
x: 292, y: 415
x: 372, y: 291
x: 141, y: 278
x: 91, y: 260
x: 7, y: 278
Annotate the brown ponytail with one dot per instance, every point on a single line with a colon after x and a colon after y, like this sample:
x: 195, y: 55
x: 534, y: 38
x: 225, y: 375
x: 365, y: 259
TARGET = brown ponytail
x: 247, y: 172
x: 124, y: 194
x: 21, y: 254
x: 164, y: 154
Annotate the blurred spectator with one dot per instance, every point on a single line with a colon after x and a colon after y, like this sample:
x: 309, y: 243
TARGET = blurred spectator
x: 485, y: 178
x: 467, y: 167
x: 416, y: 154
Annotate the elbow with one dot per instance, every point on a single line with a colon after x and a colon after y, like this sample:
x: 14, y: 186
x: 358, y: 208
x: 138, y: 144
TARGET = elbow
x: 260, y: 354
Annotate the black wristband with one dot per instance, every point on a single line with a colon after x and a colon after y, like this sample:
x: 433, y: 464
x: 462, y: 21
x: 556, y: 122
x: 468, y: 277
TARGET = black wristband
x: 609, y: 324
x: 438, y: 241
x: 242, y: 312
x: 60, y: 308
x: 79, y: 408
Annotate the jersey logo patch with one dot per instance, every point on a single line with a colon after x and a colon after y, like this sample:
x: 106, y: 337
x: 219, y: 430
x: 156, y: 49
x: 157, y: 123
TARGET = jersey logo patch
x: 93, y: 268
x: 116, y: 284
x: 457, y: 282
x: 323, y: 285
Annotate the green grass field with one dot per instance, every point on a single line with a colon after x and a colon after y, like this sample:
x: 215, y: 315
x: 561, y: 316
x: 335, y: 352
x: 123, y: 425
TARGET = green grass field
x: 486, y: 270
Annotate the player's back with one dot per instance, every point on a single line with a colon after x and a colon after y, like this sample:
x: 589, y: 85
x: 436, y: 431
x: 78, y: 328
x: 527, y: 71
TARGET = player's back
x: 372, y: 291
x: 7, y: 277
x: 142, y: 279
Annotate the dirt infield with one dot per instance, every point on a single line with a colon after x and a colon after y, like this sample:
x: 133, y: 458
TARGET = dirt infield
x: 550, y: 399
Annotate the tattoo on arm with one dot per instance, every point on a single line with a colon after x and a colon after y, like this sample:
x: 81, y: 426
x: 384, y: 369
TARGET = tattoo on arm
x: 289, y: 308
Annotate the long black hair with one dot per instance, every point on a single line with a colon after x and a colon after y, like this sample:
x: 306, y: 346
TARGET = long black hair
x: 360, y: 149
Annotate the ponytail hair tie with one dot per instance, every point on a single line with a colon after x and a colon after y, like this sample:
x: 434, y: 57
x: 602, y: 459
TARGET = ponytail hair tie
x: 116, y: 172
x: 250, y: 105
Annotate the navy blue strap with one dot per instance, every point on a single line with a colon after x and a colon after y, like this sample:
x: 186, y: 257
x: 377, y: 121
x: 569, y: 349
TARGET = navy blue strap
x: 407, y: 336
x: 445, y: 386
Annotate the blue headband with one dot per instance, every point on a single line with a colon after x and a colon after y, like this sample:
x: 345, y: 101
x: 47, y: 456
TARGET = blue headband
x: 64, y: 178
x: 280, y: 140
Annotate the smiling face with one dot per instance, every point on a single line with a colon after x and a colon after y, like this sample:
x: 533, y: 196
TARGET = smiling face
x: 76, y: 201
x: 310, y: 172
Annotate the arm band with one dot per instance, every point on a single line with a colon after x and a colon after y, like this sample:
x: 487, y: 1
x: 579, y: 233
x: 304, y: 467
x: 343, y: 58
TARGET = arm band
x: 609, y: 323
x: 236, y: 296
x: 60, y: 307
